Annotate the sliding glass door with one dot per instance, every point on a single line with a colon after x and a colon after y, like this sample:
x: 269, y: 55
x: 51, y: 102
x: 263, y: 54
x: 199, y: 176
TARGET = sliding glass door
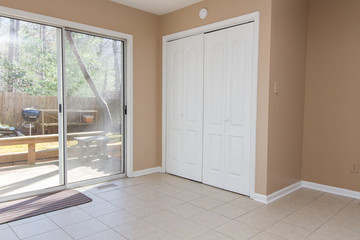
x: 94, y: 106
x: 30, y: 77
x: 61, y: 107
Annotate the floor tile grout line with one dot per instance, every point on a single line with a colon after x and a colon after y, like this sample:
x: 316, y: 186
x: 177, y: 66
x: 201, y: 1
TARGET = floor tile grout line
x: 62, y: 228
x: 39, y: 233
x: 263, y: 231
x: 323, y: 193
x: 102, y: 232
x: 59, y: 227
x: 329, y: 219
x: 276, y: 222
x: 14, y: 232
x: 25, y: 222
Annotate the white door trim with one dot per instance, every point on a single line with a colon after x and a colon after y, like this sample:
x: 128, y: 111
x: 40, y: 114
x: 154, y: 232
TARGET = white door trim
x: 57, y: 22
x: 255, y: 16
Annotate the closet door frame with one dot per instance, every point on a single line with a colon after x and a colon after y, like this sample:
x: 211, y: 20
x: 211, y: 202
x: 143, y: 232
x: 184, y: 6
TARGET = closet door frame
x: 251, y: 17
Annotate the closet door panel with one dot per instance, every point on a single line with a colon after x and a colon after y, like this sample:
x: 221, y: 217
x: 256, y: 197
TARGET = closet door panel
x: 214, y: 110
x: 185, y: 107
x: 193, y: 107
x: 238, y: 108
x: 175, y: 85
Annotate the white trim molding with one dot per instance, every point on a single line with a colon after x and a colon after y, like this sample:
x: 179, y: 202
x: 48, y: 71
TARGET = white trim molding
x: 278, y: 194
x: 283, y: 192
x: 255, y: 17
x: 146, y: 171
x: 305, y: 184
x: 260, y: 198
x: 329, y: 189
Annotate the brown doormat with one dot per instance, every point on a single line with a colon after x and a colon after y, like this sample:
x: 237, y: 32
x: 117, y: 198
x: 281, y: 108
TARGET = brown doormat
x: 30, y: 207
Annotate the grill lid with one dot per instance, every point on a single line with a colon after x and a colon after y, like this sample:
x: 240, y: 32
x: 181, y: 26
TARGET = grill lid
x: 30, y: 114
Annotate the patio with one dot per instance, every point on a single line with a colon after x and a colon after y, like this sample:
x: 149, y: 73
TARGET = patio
x: 42, y: 175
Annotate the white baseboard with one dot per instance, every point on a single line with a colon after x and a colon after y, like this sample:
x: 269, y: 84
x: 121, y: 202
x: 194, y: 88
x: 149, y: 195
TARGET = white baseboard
x: 315, y: 186
x: 330, y: 189
x: 285, y: 191
x: 278, y: 194
x: 146, y: 171
x: 260, y: 198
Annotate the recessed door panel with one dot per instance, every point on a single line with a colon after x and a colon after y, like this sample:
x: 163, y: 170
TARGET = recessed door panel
x: 215, y: 80
x: 189, y: 144
x: 235, y: 149
x: 192, y: 162
x: 216, y: 147
x: 236, y: 82
x: 175, y: 149
x: 214, y: 163
x: 176, y: 146
x: 191, y: 85
x: 176, y: 84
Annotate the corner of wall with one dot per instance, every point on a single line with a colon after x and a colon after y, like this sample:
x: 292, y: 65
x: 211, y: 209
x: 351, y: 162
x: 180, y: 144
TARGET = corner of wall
x: 286, y: 103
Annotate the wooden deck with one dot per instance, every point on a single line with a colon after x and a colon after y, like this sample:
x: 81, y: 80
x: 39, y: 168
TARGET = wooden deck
x: 31, y: 142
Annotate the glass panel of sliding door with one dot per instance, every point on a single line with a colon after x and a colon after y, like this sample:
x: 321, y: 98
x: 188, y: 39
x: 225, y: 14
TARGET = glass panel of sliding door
x: 93, y: 106
x: 30, y: 81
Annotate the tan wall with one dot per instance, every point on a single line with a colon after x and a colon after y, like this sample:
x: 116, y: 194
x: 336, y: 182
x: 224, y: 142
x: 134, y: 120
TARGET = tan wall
x: 145, y: 30
x: 332, y: 112
x: 286, y: 109
x: 187, y: 18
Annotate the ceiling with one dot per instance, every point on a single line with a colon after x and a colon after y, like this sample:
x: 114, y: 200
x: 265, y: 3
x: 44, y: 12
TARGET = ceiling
x: 158, y: 7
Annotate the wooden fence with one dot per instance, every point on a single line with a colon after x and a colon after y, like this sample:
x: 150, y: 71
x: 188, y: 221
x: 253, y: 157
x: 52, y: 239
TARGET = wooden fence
x: 12, y: 104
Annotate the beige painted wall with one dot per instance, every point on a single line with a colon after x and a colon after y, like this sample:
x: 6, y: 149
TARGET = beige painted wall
x: 187, y: 18
x: 332, y: 112
x: 145, y: 30
x: 286, y: 109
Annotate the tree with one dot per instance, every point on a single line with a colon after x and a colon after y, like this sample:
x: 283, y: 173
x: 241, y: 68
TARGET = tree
x: 13, y: 41
x: 88, y: 78
x: 13, y: 78
x: 115, y: 47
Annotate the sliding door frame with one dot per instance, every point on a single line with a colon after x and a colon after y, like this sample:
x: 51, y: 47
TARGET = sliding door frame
x: 127, y: 92
x: 251, y: 17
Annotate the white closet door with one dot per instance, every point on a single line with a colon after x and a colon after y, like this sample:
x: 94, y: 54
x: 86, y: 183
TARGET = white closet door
x: 185, y: 107
x: 175, y: 97
x: 238, y: 108
x: 227, y: 115
x: 193, y: 107
x: 214, y: 108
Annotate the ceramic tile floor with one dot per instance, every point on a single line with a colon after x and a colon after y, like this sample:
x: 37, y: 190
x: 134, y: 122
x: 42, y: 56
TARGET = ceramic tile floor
x: 161, y: 206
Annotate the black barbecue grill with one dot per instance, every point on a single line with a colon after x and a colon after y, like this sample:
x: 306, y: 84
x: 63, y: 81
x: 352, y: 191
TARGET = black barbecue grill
x: 30, y: 115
